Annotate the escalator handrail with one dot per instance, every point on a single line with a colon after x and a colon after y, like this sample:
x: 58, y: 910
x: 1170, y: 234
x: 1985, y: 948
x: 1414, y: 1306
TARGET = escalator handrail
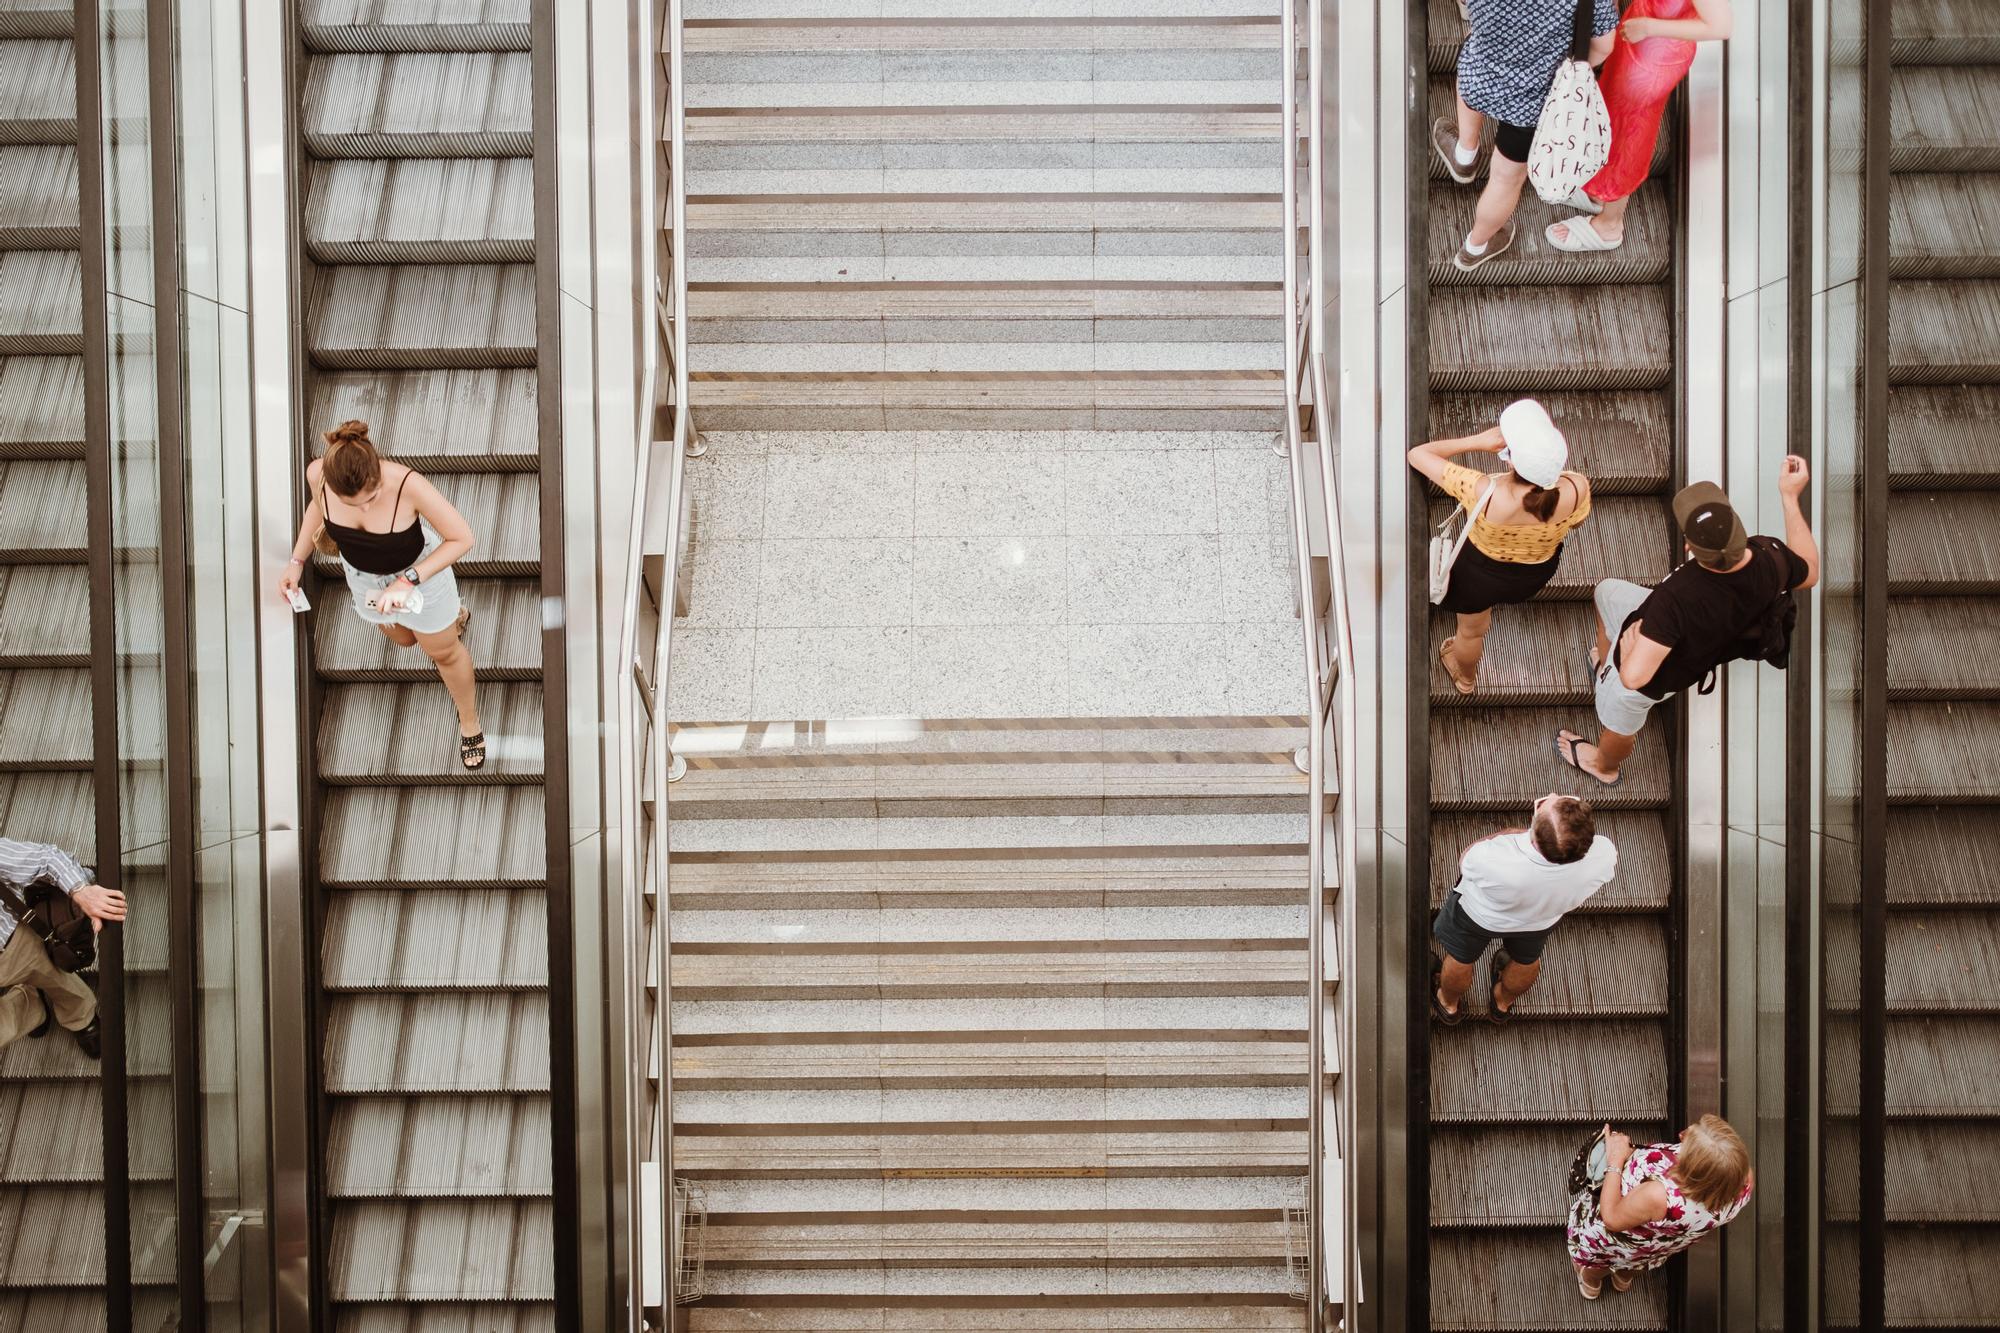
x: 645, y: 766
x: 1328, y: 682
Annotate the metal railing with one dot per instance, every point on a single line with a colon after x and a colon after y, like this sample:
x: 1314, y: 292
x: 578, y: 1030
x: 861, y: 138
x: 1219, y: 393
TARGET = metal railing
x: 654, y: 557
x: 1329, y: 651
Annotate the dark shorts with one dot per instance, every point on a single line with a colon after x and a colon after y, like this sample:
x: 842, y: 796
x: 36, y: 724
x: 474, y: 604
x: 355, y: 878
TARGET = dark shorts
x: 1480, y: 583
x: 1466, y: 940
x: 1513, y: 141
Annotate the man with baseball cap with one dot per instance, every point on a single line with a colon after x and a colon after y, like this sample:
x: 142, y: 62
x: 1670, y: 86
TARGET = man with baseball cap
x: 1709, y: 611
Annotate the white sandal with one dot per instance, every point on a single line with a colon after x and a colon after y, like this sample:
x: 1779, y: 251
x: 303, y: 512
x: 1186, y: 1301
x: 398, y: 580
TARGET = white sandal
x: 1582, y: 237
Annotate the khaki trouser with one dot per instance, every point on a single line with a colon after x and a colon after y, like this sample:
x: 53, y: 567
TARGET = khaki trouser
x: 24, y: 969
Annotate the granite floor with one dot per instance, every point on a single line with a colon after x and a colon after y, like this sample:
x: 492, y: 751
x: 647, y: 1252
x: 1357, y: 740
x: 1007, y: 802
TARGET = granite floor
x: 988, y: 574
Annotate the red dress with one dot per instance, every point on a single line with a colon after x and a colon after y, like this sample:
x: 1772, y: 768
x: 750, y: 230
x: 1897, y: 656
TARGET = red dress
x: 1637, y: 80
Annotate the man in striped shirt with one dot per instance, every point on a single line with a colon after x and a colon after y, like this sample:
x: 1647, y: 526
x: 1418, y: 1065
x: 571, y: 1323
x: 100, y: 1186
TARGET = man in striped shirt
x: 35, y: 995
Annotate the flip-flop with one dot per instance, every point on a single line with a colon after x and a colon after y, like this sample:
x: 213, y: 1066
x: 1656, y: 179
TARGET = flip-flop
x: 1463, y: 685
x: 1438, y: 1011
x: 1569, y: 757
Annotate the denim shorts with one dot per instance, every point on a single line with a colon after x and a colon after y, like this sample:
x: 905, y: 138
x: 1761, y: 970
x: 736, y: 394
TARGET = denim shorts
x: 1466, y: 940
x: 1619, y: 709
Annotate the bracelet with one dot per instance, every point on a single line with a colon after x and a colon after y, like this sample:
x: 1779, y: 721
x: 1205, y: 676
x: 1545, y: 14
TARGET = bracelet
x: 295, y: 561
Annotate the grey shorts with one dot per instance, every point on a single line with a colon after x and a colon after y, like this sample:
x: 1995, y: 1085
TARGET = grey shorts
x: 440, y: 594
x: 1619, y: 709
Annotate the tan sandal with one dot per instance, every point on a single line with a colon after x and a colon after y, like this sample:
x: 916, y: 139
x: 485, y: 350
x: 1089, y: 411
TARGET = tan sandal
x: 1621, y: 1280
x: 1466, y: 685
x: 1590, y: 1293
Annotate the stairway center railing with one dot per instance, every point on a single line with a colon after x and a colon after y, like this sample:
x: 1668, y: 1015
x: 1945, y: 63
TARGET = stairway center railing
x: 1332, y: 1289
x: 662, y: 1269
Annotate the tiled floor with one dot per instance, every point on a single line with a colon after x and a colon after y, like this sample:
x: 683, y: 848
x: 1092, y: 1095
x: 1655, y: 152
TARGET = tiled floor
x: 988, y: 574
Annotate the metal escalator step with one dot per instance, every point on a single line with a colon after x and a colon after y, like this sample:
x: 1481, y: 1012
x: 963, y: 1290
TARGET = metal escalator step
x: 1934, y: 329
x: 36, y: 18
x: 38, y: 198
x: 1941, y: 438
x: 1645, y: 866
x: 900, y: 213
x: 439, y: 420
x: 1446, y: 33
x: 759, y: 1063
x: 356, y: 26
x: 449, y: 105
x: 733, y: 312
x: 1535, y: 654
x: 402, y: 735
x: 1944, y: 753
x: 41, y: 303
x: 1537, y: 340
x: 1932, y: 1172
x: 443, y: 1250
x: 1944, y: 648
x: 447, y: 1317
x: 1645, y: 257
x: 1523, y: 1280
x: 1939, y: 1067
x: 1941, y: 226
x: 1595, y: 964
x: 1624, y: 537
x: 435, y: 939
x: 1940, y: 962
x: 421, y: 211
x: 1940, y: 856
x: 1943, y: 118
x: 45, y: 720
x: 994, y: 1110
x: 41, y: 523
x: 1934, y: 1277
x: 461, y: 836
x: 37, y: 92
x: 41, y: 407
x: 1009, y: 1288
x: 1488, y: 758
x: 1944, y: 32
x: 431, y: 1147
x: 1620, y: 440
x: 1066, y: 35
x: 504, y: 509
x: 1000, y: 1240
x: 505, y: 637
x: 1548, y: 1073
x: 424, y: 317
x: 1944, y: 542
x: 1509, y: 1175
x: 485, y: 1042
x: 48, y: 807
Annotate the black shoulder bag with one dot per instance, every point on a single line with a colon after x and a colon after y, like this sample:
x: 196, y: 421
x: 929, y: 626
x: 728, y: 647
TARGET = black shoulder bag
x: 63, y: 928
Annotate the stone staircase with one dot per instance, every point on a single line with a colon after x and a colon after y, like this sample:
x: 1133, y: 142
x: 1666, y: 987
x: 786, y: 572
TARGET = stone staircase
x: 936, y: 213
x: 1033, y: 1059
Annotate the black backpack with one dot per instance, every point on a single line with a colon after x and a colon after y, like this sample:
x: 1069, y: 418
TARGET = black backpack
x: 1769, y: 638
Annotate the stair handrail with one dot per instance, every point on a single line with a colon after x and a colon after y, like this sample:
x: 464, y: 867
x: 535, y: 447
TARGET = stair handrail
x: 645, y: 759
x: 1329, y: 651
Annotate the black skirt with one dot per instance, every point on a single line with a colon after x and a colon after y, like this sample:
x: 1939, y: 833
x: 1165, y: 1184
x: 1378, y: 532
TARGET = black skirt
x: 1480, y: 583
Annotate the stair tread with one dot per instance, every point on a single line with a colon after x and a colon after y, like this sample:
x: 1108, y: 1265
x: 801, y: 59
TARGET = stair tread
x: 432, y: 1147
x: 392, y: 734
x: 442, y: 1250
x: 424, y: 317
x: 460, y: 104
x: 439, y: 420
x: 482, y: 1042
x: 387, y: 939
x: 465, y: 835
x: 1597, y: 1069
x: 428, y: 210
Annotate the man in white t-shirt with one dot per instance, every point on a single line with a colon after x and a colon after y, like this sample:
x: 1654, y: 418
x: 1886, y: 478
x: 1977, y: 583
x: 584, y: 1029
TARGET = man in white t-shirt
x: 1514, y: 886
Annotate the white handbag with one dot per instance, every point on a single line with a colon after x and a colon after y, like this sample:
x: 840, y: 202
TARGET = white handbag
x: 1447, y: 542
x: 1573, y: 136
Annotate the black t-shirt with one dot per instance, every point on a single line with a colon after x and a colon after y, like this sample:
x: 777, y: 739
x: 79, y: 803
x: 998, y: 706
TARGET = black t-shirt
x: 1705, y: 619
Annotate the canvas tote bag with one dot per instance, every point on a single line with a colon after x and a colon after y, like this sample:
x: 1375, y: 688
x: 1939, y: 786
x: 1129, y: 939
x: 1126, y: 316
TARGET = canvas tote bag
x: 1573, y: 137
x: 1448, y: 540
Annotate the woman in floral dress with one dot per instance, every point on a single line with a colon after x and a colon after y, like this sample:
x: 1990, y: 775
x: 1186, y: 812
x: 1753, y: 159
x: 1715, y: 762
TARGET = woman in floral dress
x: 1655, y: 1202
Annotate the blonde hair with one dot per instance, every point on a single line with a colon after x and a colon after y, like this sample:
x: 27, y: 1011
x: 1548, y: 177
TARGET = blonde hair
x: 1713, y: 1164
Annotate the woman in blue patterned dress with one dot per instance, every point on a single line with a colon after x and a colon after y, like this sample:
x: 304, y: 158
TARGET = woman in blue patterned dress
x: 1509, y: 60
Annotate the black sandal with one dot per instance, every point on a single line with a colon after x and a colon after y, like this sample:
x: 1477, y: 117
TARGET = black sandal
x: 472, y: 751
x: 1438, y: 1011
x: 1494, y: 1013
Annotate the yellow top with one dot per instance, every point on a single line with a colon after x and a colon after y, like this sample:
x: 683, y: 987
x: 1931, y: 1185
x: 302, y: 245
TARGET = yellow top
x: 1517, y: 543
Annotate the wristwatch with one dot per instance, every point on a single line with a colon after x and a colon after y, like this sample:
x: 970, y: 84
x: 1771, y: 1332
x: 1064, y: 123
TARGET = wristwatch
x: 411, y: 576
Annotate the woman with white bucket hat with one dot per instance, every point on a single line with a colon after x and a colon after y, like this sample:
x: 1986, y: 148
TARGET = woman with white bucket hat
x: 1520, y: 517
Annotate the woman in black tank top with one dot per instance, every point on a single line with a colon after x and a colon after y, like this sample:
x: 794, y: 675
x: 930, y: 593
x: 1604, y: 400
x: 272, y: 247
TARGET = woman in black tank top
x: 397, y: 538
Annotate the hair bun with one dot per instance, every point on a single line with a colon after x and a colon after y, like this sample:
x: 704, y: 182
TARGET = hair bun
x: 348, y: 431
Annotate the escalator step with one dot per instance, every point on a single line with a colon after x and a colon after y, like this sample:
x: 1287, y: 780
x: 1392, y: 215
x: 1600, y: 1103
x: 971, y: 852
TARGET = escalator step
x: 1621, y: 440
x: 476, y: 1042
x: 443, y: 1250
x: 424, y: 317
x: 1537, y: 340
x: 1645, y: 868
x: 432, y: 1147
x: 38, y: 198
x: 463, y: 835
x: 1500, y: 758
x: 421, y: 211
x: 438, y: 420
x: 1539, y: 1291
x: 1549, y: 1072
x: 473, y: 104
x: 1622, y: 538
x: 475, y: 939
x: 1941, y: 438
x: 41, y: 407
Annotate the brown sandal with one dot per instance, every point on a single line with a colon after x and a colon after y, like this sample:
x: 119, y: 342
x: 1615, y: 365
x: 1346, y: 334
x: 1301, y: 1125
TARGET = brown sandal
x: 464, y: 621
x: 1465, y: 686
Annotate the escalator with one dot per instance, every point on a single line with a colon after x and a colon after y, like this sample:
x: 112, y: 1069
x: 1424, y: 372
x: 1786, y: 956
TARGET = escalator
x: 1593, y: 337
x: 415, y: 200
x: 1942, y: 1258
x: 52, y: 1264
